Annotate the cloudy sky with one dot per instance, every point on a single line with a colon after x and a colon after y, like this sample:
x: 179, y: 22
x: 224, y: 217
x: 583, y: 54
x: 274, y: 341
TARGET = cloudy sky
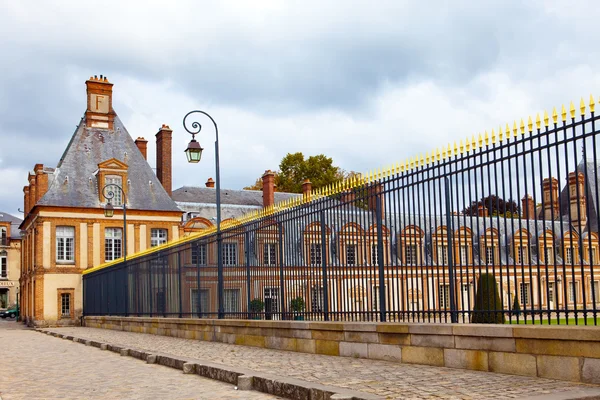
x: 367, y: 83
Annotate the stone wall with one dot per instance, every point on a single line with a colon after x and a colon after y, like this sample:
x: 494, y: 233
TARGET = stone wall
x: 569, y: 353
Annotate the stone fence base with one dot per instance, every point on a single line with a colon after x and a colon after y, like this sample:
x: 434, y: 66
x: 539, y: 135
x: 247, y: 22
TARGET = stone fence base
x: 570, y: 353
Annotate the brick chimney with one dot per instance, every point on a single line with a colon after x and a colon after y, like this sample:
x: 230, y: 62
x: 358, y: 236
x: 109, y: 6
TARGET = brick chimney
x: 348, y: 196
x: 163, y: 157
x: 551, y: 206
x: 41, y: 181
x: 32, y: 198
x: 482, y: 211
x: 528, y: 207
x: 375, y: 192
x: 577, y: 198
x: 306, y: 189
x: 142, y: 145
x: 99, y: 113
x: 210, y: 183
x: 26, y: 199
x: 268, y: 189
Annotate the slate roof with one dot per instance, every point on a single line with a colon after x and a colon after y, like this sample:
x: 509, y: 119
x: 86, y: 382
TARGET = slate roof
x: 74, y: 184
x: 15, y: 233
x: 204, y: 195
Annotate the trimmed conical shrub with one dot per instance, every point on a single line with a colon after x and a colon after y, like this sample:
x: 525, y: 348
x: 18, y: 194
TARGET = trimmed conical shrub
x: 488, y: 307
x: 516, y: 308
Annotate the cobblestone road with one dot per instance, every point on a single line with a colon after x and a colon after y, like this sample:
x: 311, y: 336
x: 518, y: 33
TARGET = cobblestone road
x: 36, y: 366
x: 387, y: 379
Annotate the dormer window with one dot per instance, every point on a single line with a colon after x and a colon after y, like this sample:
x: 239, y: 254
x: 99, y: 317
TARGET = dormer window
x: 117, y: 200
x: 112, y: 172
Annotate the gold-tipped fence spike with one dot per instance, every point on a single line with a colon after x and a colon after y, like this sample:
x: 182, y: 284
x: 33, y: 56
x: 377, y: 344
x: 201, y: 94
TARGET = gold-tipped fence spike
x: 563, y: 113
x: 422, y: 160
x: 507, y: 131
x: 486, y: 138
x: 530, y: 125
x: 480, y: 141
x: 449, y: 150
x: 538, y: 121
x: 427, y: 158
x: 515, y: 129
x: 546, y: 119
x: 473, y: 143
x: 493, y: 136
x: 554, y: 115
x: 572, y: 110
x: 522, y: 126
x: 461, y: 146
x: 468, y: 145
x: 582, y: 106
x: 592, y: 103
x: 455, y: 148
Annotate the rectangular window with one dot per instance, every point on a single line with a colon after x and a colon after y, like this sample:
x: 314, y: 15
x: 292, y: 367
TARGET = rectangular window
x: 231, y: 300
x: 158, y: 237
x: 199, y: 254
x: 65, y: 305
x: 525, y: 292
x: 521, y: 256
x: 375, y: 298
x: 316, y: 299
x: 3, y: 237
x: 595, y: 291
x: 550, y: 292
x: 489, y: 255
x: 112, y: 243
x: 463, y: 255
x: 569, y: 255
x: 411, y: 254
x: 315, y: 254
x: 117, y: 198
x: 548, y: 255
x: 230, y: 254
x: 204, y: 301
x: 444, y: 295
x: 65, y: 243
x: 271, y: 300
x: 573, y: 291
x: 270, y: 254
x: 351, y: 254
x: 3, y: 267
x: 442, y: 255
x: 374, y: 254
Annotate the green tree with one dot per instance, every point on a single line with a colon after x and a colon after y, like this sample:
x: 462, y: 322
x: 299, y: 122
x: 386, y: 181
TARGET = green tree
x: 488, y: 307
x: 516, y: 308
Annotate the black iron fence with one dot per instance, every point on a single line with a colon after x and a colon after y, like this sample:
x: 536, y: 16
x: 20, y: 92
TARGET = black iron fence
x: 502, y: 227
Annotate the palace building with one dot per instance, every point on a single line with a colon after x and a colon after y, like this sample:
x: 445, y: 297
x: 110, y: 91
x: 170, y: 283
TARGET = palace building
x: 10, y: 260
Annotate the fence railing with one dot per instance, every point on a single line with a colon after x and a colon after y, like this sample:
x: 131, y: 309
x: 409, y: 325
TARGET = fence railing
x: 502, y: 227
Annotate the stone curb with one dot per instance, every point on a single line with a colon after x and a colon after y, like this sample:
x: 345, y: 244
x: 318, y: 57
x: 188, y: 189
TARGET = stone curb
x: 243, y: 379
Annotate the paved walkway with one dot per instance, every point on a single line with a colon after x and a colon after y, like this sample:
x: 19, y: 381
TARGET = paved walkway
x: 36, y: 366
x: 386, y: 379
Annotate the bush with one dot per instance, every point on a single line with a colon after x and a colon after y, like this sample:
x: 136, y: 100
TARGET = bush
x: 516, y: 308
x: 297, y: 304
x: 488, y: 307
x: 257, y: 305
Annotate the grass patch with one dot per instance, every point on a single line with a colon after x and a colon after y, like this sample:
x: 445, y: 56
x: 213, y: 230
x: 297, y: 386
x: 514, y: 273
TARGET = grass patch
x: 554, y: 321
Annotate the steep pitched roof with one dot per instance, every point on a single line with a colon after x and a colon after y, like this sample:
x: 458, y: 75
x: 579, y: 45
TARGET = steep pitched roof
x: 75, y: 185
x: 195, y: 194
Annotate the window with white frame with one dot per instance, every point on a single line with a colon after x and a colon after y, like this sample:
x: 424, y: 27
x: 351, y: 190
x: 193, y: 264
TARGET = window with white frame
x: 525, y: 288
x: 595, y: 292
x: 573, y: 291
x: 375, y: 298
x: 374, y: 254
x: 65, y: 243
x: 3, y: 237
x: 158, y: 237
x: 442, y: 255
x: 3, y: 265
x: 270, y: 253
x: 489, y: 255
x: 316, y: 298
x: 569, y: 255
x: 113, y: 243
x: 350, y: 254
x: 315, y: 254
x: 204, y: 301
x: 444, y: 295
x: 548, y: 255
x: 411, y: 254
x: 521, y: 256
x: 199, y: 254
x: 464, y: 259
x: 550, y: 292
x: 117, y: 199
x: 231, y: 300
x: 230, y: 254
x: 65, y: 305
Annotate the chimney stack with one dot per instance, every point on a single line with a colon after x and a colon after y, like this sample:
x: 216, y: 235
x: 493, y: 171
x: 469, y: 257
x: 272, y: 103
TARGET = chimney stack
x: 375, y: 194
x: 268, y: 179
x: 528, y: 207
x: 26, y: 199
x: 32, y: 198
x: 142, y: 145
x: 99, y: 113
x: 551, y: 206
x: 482, y: 211
x: 306, y: 189
x: 577, y: 198
x: 163, y: 157
x: 41, y: 181
x: 210, y: 183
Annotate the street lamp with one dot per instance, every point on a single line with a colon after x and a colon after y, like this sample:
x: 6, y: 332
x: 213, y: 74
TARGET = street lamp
x: 109, y: 193
x: 194, y: 153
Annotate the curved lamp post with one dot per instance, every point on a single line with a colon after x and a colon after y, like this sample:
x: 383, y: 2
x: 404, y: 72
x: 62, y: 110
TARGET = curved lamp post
x: 194, y: 153
x: 108, y: 192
